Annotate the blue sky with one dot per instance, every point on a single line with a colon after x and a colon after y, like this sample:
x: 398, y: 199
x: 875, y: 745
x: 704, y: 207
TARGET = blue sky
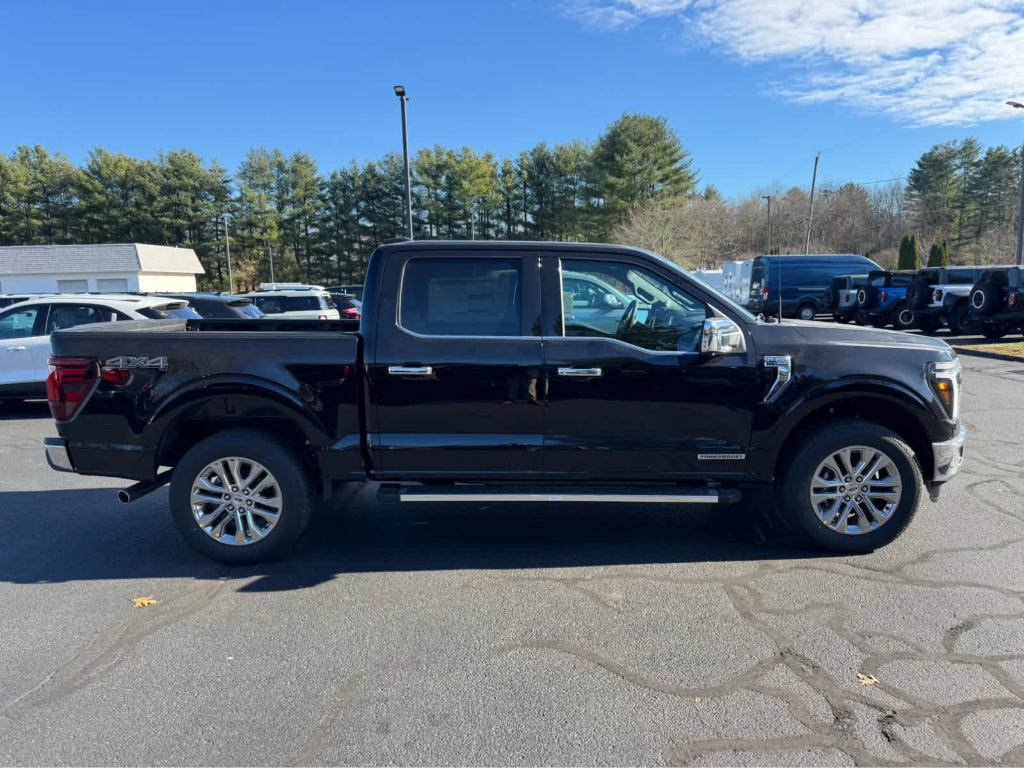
x: 752, y: 88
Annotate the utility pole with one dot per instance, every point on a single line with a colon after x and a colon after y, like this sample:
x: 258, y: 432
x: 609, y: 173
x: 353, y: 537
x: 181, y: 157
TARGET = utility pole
x: 810, y: 214
x: 227, y: 248
x: 1020, y: 203
x: 768, y: 236
x: 270, y: 255
x: 404, y: 99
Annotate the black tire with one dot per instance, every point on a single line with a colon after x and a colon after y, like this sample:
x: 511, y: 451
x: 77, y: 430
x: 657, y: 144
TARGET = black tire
x: 877, y: 322
x: 929, y: 324
x: 842, y: 319
x: 961, y: 321
x: 826, y: 439
x: 806, y: 311
x: 993, y: 330
x: 293, y: 478
x: 986, y: 299
x: 902, y: 317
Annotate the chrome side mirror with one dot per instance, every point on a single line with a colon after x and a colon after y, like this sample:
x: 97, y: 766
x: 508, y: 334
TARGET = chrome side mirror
x: 722, y: 336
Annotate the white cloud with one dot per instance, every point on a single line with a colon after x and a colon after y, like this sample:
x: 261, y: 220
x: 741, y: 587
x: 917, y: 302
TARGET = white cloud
x: 930, y: 62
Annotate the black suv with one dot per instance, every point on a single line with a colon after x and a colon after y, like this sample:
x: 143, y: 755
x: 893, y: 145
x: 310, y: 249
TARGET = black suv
x: 997, y: 301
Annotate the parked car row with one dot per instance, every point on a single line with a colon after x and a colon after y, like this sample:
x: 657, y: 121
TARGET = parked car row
x: 967, y: 300
x: 27, y: 320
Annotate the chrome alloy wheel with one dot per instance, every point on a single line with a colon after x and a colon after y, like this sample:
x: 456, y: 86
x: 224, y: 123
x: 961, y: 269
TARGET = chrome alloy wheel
x: 856, y: 490
x: 236, y: 501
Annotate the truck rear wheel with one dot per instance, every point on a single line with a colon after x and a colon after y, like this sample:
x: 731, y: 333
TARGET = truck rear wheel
x: 241, y: 496
x: 852, y: 486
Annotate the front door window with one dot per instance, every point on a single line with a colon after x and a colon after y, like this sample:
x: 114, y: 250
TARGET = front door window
x: 619, y: 300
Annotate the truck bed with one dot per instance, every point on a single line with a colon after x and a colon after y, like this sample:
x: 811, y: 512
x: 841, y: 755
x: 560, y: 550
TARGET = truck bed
x: 297, y: 372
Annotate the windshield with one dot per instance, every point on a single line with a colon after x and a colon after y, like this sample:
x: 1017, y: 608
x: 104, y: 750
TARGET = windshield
x: 169, y: 313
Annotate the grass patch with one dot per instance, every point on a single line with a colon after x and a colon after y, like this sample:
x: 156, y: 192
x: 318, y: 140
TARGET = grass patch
x: 1014, y: 349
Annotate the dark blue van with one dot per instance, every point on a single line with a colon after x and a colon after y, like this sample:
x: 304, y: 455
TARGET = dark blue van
x: 805, y: 281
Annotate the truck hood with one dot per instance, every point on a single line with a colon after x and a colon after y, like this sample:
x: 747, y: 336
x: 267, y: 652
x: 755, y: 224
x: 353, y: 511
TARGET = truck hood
x: 804, y: 333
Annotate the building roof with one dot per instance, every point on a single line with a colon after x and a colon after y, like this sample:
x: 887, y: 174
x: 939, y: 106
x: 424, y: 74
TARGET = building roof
x: 115, y: 257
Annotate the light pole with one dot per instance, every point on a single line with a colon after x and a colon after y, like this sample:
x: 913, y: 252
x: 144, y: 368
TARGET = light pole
x: 227, y: 248
x: 1020, y: 203
x: 400, y: 93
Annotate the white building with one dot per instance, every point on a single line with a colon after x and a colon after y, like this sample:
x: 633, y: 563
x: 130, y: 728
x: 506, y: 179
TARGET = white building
x: 97, y: 268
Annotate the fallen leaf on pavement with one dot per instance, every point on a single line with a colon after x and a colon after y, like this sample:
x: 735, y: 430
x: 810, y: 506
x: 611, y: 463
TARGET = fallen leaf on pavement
x: 866, y: 679
x: 143, y: 602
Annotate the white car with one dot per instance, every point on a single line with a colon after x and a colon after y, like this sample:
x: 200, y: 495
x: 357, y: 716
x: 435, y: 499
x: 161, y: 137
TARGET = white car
x: 7, y: 299
x: 294, y: 301
x: 25, y: 330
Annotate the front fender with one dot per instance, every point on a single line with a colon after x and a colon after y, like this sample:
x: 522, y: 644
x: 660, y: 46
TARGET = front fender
x: 889, y: 396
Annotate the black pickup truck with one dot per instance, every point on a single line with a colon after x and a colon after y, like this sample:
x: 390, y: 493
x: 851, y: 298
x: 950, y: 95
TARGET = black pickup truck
x: 512, y: 372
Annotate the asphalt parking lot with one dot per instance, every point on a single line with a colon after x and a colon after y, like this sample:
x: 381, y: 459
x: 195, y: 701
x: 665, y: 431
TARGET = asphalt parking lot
x: 514, y: 635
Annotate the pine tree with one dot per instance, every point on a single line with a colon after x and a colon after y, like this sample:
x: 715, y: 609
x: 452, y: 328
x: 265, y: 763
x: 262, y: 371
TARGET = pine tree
x: 910, y: 254
x: 638, y: 158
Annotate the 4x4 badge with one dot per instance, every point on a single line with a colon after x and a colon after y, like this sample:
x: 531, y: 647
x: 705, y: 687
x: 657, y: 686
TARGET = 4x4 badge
x: 126, y: 363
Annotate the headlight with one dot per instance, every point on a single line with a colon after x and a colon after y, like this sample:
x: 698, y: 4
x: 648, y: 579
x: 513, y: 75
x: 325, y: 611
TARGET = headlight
x: 945, y: 379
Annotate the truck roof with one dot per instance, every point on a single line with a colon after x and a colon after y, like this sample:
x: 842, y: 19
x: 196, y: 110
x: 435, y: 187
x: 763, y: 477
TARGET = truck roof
x: 511, y: 245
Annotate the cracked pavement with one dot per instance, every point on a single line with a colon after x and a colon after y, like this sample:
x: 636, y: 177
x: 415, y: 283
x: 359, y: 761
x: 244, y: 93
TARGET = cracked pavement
x: 506, y: 635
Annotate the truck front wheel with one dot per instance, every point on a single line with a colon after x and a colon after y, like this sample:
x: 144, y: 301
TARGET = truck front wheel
x: 852, y: 486
x: 241, y: 496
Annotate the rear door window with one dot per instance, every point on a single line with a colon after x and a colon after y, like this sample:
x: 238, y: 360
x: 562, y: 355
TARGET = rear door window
x: 961, y: 277
x: 462, y: 297
x: 71, y: 315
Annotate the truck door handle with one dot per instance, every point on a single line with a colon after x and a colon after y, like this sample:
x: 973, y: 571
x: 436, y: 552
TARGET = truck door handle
x: 18, y: 348
x: 581, y: 373
x: 420, y: 371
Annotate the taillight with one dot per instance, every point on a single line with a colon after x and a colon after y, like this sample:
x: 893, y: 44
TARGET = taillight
x: 322, y: 317
x: 351, y: 312
x: 764, y: 293
x: 1011, y: 300
x: 70, y: 383
x: 846, y: 296
x: 938, y: 295
x: 118, y: 377
x: 884, y: 296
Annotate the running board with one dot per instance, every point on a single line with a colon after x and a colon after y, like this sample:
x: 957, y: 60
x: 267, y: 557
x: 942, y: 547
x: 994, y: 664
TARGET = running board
x: 479, y: 494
